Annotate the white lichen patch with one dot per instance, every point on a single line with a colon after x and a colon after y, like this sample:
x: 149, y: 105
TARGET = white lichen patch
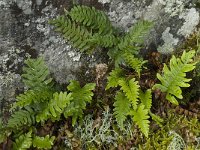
x: 104, y: 1
x: 169, y: 42
x: 191, y: 18
x: 174, y: 7
x: 74, y: 55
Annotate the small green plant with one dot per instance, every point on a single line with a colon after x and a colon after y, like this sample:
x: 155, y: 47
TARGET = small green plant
x: 87, y: 28
x: 174, y: 78
x: 41, y: 102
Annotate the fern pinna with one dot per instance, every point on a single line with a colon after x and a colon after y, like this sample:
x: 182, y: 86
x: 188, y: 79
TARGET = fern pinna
x: 25, y: 141
x: 130, y: 101
x: 174, y: 77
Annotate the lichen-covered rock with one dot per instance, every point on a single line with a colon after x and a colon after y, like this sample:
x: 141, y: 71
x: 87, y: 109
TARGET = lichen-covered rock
x: 174, y: 20
x: 25, y: 32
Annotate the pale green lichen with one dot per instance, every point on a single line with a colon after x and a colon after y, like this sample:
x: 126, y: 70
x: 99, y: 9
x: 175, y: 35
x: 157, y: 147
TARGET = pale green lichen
x: 177, y: 142
x: 169, y: 42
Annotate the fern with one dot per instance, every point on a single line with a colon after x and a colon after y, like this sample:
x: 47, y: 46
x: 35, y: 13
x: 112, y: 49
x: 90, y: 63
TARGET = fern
x: 135, y: 35
x: 106, y: 41
x: 91, y: 17
x: 135, y: 63
x: 32, y: 96
x: 23, y: 142
x: 43, y: 142
x: 131, y: 90
x: 122, y: 107
x: 146, y: 98
x: 55, y: 106
x: 114, y: 77
x: 174, y: 77
x: 76, y: 34
x: 140, y: 116
x: 36, y: 74
x: 129, y: 45
x: 21, y: 118
x: 80, y: 97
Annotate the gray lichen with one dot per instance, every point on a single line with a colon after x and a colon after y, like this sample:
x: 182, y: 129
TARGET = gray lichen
x: 191, y: 17
x: 169, y: 42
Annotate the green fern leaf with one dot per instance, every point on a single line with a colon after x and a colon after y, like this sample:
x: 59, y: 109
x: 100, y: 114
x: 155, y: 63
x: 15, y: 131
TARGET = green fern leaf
x: 140, y: 116
x: 122, y: 108
x: 74, y: 33
x: 135, y: 35
x: 146, y: 98
x: 23, y: 142
x: 174, y: 78
x: 55, y: 106
x: 36, y: 73
x: 80, y: 97
x: 32, y: 96
x: 131, y: 90
x: 43, y: 142
x: 106, y: 41
x: 135, y: 63
x: 156, y: 118
x: 89, y: 16
x: 114, y: 77
x: 21, y: 118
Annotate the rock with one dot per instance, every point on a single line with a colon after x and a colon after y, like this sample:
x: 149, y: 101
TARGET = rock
x: 174, y: 20
x: 25, y: 32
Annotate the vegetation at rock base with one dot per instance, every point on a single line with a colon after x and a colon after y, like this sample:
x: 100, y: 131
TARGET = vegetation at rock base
x: 137, y: 108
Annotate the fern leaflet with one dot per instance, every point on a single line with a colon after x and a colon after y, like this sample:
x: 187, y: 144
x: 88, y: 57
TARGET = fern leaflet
x: 135, y: 35
x: 55, y: 106
x: 32, y: 96
x: 114, y: 77
x: 174, y: 78
x: 76, y: 34
x: 91, y: 17
x: 23, y: 142
x: 146, y: 98
x: 36, y: 74
x: 122, y: 108
x: 134, y: 62
x: 140, y: 116
x: 23, y: 117
x: 131, y: 90
x: 43, y: 142
x: 80, y: 97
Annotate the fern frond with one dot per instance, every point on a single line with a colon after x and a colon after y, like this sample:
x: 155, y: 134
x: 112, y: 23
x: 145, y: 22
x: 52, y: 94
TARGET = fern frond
x: 122, y: 108
x: 91, y: 17
x: 55, y: 106
x: 21, y: 118
x: 140, y: 116
x: 32, y: 96
x: 146, y: 98
x: 43, y: 142
x: 23, y: 142
x: 76, y: 34
x: 156, y: 118
x: 114, y: 77
x: 131, y: 90
x: 133, y: 62
x: 80, y: 97
x: 36, y: 73
x: 106, y: 41
x: 135, y: 35
x: 174, y: 77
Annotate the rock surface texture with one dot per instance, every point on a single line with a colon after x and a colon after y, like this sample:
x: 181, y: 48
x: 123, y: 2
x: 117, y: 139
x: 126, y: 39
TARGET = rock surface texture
x: 25, y: 32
